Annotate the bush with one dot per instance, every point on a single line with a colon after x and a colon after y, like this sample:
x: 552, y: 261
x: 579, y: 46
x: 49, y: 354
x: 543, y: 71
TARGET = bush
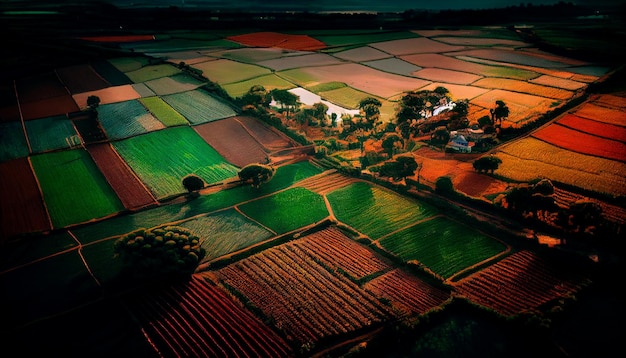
x: 168, y: 251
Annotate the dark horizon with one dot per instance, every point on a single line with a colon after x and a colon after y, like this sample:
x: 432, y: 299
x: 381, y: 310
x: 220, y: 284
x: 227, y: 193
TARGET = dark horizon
x: 325, y: 5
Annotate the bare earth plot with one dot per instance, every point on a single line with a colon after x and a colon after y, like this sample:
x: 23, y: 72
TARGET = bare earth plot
x: 22, y: 206
x: 232, y: 141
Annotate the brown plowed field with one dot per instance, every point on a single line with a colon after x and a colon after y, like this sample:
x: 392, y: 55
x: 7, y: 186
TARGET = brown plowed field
x: 81, y: 78
x: 271, y: 139
x: 131, y: 191
x: 232, y: 141
x: 22, y: 208
x: 49, y: 107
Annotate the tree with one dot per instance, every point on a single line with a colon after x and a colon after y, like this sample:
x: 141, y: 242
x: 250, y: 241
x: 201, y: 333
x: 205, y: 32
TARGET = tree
x: 371, y: 108
x: 500, y: 112
x: 390, y: 142
x: 256, y: 174
x: 160, y: 253
x: 319, y: 111
x: 487, y: 164
x: 440, y: 137
x: 484, y: 121
x: 399, y: 168
x: 193, y: 183
x: 257, y: 97
x: 286, y: 99
x: 93, y: 102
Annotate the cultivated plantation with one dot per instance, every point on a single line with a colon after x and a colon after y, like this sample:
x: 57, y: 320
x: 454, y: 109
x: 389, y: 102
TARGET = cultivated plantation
x: 403, y: 182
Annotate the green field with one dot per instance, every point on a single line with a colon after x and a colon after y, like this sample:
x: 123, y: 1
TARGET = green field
x: 51, y: 133
x: 163, y: 112
x: 284, y: 177
x: 186, y: 153
x: 198, y: 106
x: 225, y: 232
x: 375, y: 211
x: 73, y: 187
x: 288, y: 210
x: 269, y: 82
x: 152, y: 72
x: 443, y: 245
x: 12, y: 141
x: 126, y: 119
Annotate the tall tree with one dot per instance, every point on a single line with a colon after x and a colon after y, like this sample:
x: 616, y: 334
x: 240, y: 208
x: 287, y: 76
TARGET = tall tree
x: 391, y: 141
x: 286, y: 99
x: 500, y: 112
x: 371, y: 109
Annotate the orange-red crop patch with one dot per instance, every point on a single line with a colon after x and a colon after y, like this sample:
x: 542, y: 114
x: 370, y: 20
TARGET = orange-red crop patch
x: 596, y: 128
x: 276, y: 39
x: 581, y: 142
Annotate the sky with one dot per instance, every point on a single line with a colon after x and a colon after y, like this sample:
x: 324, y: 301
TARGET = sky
x: 353, y: 5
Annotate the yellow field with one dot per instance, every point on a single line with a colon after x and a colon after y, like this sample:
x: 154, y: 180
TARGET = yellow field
x: 530, y: 158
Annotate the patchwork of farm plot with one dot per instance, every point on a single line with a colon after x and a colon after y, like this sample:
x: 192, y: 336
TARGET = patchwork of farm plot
x: 282, y: 248
x: 584, y: 147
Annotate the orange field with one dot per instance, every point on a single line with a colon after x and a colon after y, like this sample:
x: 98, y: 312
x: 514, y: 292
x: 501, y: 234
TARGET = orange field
x: 600, y: 129
x: 580, y: 142
x: 275, y: 39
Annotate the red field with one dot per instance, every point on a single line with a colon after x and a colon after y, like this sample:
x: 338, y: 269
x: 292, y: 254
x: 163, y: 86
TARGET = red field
x: 275, y: 39
x: 22, y: 208
x: 600, y: 129
x: 304, y: 299
x: 406, y: 292
x: 81, y: 78
x: 521, y: 282
x: 334, y: 249
x: 232, y: 141
x: 118, y: 38
x: 580, y: 142
x: 131, y: 191
x: 49, y: 107
x: 197, y: 319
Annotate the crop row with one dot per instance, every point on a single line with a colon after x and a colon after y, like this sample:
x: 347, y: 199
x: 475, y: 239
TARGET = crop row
x: 197, y: 319
x: 521, y: 282
x: 407, y: 293
x: 304, y: 300
x: 334, y: 249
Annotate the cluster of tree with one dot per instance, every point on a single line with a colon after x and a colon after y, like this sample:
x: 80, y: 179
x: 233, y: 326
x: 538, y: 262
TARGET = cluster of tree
x: 256, y: 174
x: 487, y: 164
x: 166, y: 252
x: 399, y: 168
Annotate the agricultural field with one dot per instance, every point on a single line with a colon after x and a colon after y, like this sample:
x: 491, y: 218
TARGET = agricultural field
x: 187, y: 152
x: 375, y: 211
x: 442, y: 245
x: 91, y: 197
x: 314, y: 261
x: 198, y: 106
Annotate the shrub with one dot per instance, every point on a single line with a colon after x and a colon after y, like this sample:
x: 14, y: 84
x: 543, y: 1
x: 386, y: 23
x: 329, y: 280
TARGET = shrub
x: 169, y: 251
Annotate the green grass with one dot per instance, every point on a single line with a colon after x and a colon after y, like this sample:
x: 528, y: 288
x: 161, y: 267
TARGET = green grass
x: 225, y: 232
x: 299, y: 77
x: 375, y: 211
x: 187, y: 153
x: 443, y: 245
x: 73, y: 187
x: 284, y: 177
x: 198, y: 107
x: 288, y: 210
x: 163, y: 112
x: 226, y: 71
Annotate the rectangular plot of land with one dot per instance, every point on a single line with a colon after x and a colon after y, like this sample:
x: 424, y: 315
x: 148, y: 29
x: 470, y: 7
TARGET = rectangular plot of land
x: 81, y: 78
x: 51, y: 133
x: 126, y: 119
x: 198, y: 106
